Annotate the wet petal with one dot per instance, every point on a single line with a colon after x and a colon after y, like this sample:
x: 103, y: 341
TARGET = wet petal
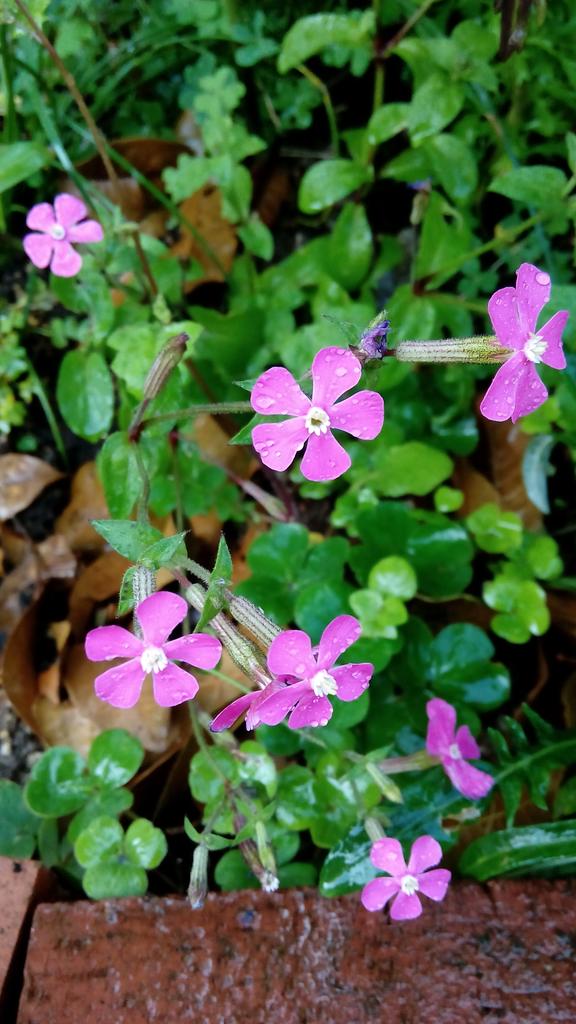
x: 324, y: 458
x: 173, y: 686
x: 277, y: 393
x: 38, y: 248
x: 532, y: 294
x: 275, y: 707
x: 435, y: 883
x: 69, y: 209
x: 466, y: 742
x: 531, y: 392
x: 426, y: 852
x: 225, y: 719
x: 352, y: 680
x: 290, y: 654
x: 552, y: 334
x: 386, y: 854
x: 159, y: 614
x: 441, y: 726
x: 278, y: 443
x: 41, y: 217
x: 106, y: 642
x: 65, y: 261
x: 198, y: 649
x: 89, y: 231
x: 503, y: 312
x: 311, y: 711
x: 499, y: 401
x: 405, y: 908
x: 338, y: 636
x: 376, y: 893
x: 334, y: 371
x: 121, y: 686
x: 469, y: 781
x: 361, y: 415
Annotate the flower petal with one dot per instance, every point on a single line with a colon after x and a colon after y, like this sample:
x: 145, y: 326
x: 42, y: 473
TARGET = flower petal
x: 275, y: 707
x: 352, y: 680
x: 159, y: 614
x: 230, y: 714
x: 324, y: 458
x: 503, y: 312
x: 173, y: 685
x: 532, y: 294
x: 198, y: 649
x: 334, y: 371
x: 69, y: 209
x: 38, y: 248
x: 65, y: 260
x: 435, y: 883
x: 338, y: 636
x: 386, y: 854
x: 552, y: 334
x: 88, y: 231
x: 277, y: 443
x: 405, y: 908
x: 441, y: 726
x: 469, y: 781
x: 426, y: 852
x: 376, y: 893
x: 499, y: 402
x: 466, y: 742
x: 290, y: 654
x: 311, y: 711
x: 106, y: 642
x: 361, y: 415
x: 121, y: 686
x: 277, y: 393
x: 531, y: 392
x: 41, y: 217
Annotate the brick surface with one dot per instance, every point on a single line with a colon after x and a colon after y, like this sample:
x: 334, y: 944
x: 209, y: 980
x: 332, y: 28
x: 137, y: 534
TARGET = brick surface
x: 502, y: 952
x: 22, y: 883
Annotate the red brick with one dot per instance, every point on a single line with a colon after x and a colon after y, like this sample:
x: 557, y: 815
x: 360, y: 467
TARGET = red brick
x: 503, y: 952
x: 22, y: 884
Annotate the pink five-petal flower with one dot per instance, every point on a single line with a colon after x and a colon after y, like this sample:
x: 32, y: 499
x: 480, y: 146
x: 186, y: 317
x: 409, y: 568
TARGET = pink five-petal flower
x: 453, y: 747
x: 406, y: 881
x: 54, y: 229
x: 158, y: 615
x: 249, y: 703
x: 334, y: 371
x: 517, y: 389
x: 315, y: 678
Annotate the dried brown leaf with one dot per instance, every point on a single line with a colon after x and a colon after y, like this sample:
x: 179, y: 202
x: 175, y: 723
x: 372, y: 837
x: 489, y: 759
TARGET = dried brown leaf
x: 203, y: 211
x: 51, y: 559
x: 507, y: 446
x: 87, y: 502
x: 22, y: 478
x: 476, y: 488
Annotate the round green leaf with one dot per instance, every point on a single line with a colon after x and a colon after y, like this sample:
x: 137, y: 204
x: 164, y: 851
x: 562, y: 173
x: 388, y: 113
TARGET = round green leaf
x: 494, y: 530
x: 328, y: 182
x: 85, y: 393
x: 111, y: 881
x: 257, y: 766
x: 145, y: 844
x: 58, y: 784
x: 115, y: 757
x: 411, y: 468
x: 108, y: 804
x: 232, y: 872
x: 118, y: 472
x: 18, y: 826
x: 100, y: 841
x: 394, y: 576
x: 209, y: 773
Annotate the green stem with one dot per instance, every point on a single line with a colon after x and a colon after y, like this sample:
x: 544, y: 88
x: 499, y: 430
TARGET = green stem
x: 506, y: 238
x: 452, y: 350
x: 215, y: 408
x: 326, y: 100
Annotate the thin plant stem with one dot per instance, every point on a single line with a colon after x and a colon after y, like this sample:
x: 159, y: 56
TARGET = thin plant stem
x: 408, y: 26
x: 505, y: 239
x: 214, y: 408
x: 326, y: 100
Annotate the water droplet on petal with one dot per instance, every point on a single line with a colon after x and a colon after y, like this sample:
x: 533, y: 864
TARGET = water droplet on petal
x: 543, y: 279
x: 265, y: 403
x: 341, y: 371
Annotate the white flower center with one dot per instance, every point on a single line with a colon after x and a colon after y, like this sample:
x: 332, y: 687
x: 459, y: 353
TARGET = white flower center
x: 535, y: 348
x: 409, y: 884
x: 323, y: 684
x: 57, y: 232
x: 153, y: 659
x: 317, y: 421
x: 454, y: 752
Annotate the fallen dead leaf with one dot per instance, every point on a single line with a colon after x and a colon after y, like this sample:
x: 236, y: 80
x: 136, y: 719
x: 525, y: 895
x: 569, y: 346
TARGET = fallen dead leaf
x: 476, y: 487
x: 51, y: 559
x: 87, y: 502
x: 22, y: 478
x: 507, y: 446
x: 203, y: 211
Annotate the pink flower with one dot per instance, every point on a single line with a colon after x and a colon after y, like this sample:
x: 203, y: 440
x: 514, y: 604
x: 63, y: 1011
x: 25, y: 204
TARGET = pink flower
x: 158, y: 615
x: 334, y: 371
x: 453, y: 748
x: 54, y: 229
x: 249, y: 702
x: 407, y: 880
x: 291, y: 654
x: 517, y: 389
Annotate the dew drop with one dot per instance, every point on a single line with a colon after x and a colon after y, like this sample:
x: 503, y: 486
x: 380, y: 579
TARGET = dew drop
x: 341, y: 371
x: 543, y: 279
x: 265, y: 403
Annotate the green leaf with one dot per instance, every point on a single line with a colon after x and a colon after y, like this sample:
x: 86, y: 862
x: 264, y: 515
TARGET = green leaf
x: 279, y: 740
x: 347, y: 866
x: 207, y: 839
x: 533, y: 850
x: 210, y: 771
x: 58, y: 784
x: 329, y: 181
x: 170, y: 551
x: 454, y: 165
x: 18, y: 825
x: 448, y: 499
x: 257, y: 238
x: 232, y: 872
x: 257, y: 766
x: 296, y: 807
x: 280, y: 552
x: 495, y: 530
x: 119, y: 474
x: 435, y: 103
x: 145, y: 844
x: 387, y: 121
x: 220, y: 578
x: 461, y: 670
x: 115, y: 757
x: 85, y: 393
x: 128, y: 538
x: 538, y: 185
x: 100, y: 841
x: 394, y: 576
x: 411, y: 468
x: 20, y: 160
x: 113, y: 881
x: 110, y: 804
x: 312, y: 34
x: 350, y: 251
